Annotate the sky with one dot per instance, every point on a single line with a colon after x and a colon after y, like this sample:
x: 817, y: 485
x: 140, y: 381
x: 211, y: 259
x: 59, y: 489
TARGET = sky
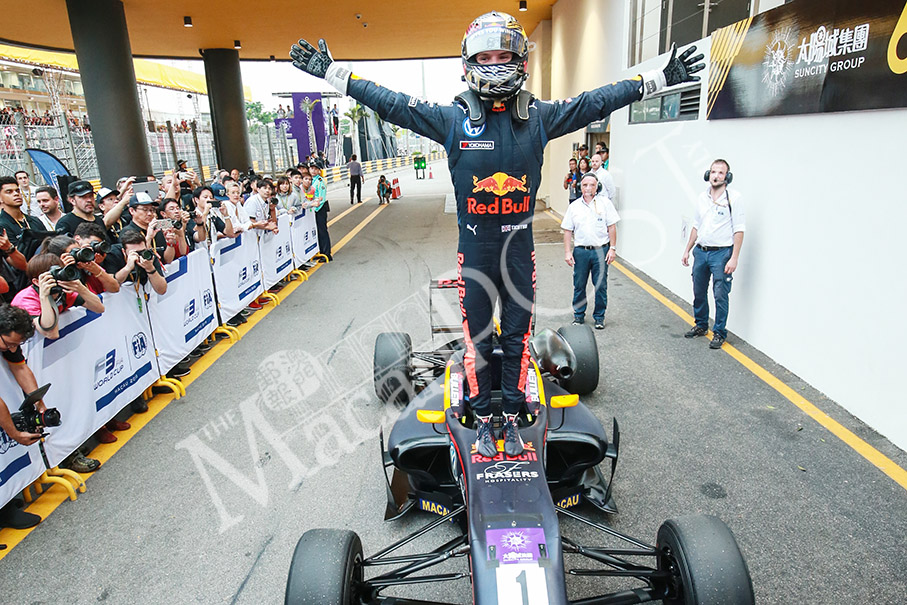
x: 442, y: 78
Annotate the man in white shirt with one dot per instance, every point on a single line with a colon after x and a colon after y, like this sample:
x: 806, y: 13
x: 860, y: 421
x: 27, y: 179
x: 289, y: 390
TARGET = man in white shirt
x: 590, y: 225
x: 29, y: 202
x: 717, y: 234
x: 49, y: 203
x: 262, y: 214
x: 604, y: 177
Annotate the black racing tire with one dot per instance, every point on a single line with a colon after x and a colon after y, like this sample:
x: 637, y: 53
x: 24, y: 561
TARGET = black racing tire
x: 394, y: 367
x: 326, y: 568
x: 706, y: 564
x: 585, y: 376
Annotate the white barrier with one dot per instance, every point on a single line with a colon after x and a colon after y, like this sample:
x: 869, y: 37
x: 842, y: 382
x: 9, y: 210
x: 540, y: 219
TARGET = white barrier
x: 276, y: 253
x: 98, y: 365
x: 304, y: 237
x: 20, y: 465
x: 237, y: 273
x: 185, y: 315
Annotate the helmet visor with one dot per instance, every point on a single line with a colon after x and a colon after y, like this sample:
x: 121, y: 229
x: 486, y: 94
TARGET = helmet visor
x: 494, y: 38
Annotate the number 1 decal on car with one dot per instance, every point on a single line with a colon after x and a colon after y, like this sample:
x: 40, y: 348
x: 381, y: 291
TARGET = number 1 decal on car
x: 522, y: 584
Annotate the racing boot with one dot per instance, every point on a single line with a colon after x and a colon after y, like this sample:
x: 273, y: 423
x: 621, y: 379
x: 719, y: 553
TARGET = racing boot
x: 513, y: 444
x: 485, y: 444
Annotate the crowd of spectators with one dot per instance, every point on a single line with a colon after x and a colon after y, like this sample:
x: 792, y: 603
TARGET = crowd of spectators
x: 56, y: 253
x: 33, y: 118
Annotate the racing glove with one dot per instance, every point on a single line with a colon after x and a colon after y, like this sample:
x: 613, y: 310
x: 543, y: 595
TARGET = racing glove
x: 320, y: 63
x: 676, y: 71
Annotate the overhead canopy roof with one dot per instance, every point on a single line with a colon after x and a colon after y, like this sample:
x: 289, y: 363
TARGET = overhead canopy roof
x: 146, y: 72
x: 397, y: 29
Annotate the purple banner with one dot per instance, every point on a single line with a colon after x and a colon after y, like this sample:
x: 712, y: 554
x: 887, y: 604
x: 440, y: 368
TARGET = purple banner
x: 298, y: 125
x: 516, y: 545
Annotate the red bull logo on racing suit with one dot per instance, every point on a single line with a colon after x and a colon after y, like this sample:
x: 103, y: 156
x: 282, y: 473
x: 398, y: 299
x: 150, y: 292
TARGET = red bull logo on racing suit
x: 499, y: 184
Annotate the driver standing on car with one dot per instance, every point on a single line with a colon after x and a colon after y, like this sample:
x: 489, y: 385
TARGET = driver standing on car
x: 495, y: 135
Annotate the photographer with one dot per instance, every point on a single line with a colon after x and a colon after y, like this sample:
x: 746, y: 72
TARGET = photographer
x: 87, y: 259
x: 187, y: 231
x: 54, y: 288
x: 15, y: 328
x: 143, y: 211
x: 210, y: 210
x: 142, y: 264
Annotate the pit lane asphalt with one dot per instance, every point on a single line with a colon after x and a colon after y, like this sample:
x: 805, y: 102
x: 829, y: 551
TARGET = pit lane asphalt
x: 700, y: 434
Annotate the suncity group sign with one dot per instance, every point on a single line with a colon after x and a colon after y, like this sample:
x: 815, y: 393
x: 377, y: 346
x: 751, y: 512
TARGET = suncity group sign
x: 811, y: 56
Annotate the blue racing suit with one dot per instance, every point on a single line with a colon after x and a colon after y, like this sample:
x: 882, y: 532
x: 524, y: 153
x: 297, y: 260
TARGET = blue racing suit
x: 496, y: 169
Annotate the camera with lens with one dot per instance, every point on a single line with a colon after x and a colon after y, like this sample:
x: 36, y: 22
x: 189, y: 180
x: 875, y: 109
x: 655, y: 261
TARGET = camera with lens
x: 29, y: 420
x: 67, y: 273
x: 146, y: 254
x: 216, y: 203
x: 82, y: 255
x: 100, y: 247
x: 176, y: 224
x: 273, y: 201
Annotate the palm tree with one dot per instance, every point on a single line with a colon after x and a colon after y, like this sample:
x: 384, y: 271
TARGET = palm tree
x: 355, y: 114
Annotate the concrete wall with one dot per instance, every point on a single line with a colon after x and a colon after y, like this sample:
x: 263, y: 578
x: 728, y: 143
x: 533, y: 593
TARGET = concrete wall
x: 820, y: 287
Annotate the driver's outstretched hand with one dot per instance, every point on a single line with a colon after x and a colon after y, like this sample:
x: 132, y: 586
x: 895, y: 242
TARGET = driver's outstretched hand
x: 311, y: 60
x: 680, y: 69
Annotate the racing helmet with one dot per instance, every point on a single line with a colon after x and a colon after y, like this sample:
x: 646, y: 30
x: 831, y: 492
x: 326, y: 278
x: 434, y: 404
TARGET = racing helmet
x: 495, y: 31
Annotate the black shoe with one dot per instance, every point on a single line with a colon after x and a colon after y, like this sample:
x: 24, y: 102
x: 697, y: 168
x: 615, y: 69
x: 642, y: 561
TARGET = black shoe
x: 696, y: 331
x: 600, y: 324
x: 717, y: 341
x: 513, y: 444
x: 14, y: 518
x: 139, y: 405
x: 578, y: 322
x: 179, y: 370
x: 485, y: 444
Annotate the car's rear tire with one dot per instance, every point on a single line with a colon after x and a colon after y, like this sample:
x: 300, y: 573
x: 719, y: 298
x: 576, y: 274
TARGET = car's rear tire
x: 585, y: 376
x: 326, y: 568
x: 394, y: 367
x: 706, y: 564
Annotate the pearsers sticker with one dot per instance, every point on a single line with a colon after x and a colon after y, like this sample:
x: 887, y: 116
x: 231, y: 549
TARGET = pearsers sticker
x: 516, y: 545
x: 506, y: 472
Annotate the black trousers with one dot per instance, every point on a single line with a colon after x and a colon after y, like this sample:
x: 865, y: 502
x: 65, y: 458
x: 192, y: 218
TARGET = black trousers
x: 356, y: 183
x: 324, y: 238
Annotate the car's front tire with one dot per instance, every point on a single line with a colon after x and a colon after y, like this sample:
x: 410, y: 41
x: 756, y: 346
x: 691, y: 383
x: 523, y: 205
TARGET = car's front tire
x: 326, y: 568
x: 393, y: 368
x: 585, y: 376
x: 705, y: 563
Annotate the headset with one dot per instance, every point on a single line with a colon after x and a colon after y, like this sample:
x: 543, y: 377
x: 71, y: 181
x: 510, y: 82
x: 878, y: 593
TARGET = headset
x: 595, y: 176
x: 727, y: 178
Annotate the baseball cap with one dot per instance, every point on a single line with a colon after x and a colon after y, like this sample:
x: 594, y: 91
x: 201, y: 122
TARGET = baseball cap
x: 104, y: 192
x: 79, y: 188
x: 140, y: 199
x: 180, y: 162
x: 220, y: 192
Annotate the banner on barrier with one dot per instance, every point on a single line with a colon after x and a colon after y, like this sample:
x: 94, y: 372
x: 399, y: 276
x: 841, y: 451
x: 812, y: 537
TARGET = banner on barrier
x: 237, y: 273
x: 20, y: 464
x: 185, y: 315
x: 98, y: 365
x: 304, y: 236
x: 276, y: 252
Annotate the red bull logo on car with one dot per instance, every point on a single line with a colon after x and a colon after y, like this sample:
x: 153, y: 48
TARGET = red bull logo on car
x: 499, y: 184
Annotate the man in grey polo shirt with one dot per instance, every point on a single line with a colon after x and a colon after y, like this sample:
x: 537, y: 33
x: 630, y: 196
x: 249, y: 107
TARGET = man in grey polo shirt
x: 717, y: 234
x: 356, y: 179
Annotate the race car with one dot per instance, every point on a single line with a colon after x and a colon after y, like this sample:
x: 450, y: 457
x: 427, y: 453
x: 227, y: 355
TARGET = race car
x: 507, y: 508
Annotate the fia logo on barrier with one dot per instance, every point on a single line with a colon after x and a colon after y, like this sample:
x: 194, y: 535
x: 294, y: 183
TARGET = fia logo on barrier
x: 207, y: 299
x: 255, y: 268
x: 190, y: 312
x: 472, y: 131
x: 139, y: 345
x: 6, y: 442
x: 106, y: 368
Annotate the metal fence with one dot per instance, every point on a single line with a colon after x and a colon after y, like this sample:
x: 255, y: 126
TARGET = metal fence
x: 73, y: 145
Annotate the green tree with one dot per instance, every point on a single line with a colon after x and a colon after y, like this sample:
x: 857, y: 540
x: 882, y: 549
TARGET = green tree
x: 257, y: 116
x: 356, y: 113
